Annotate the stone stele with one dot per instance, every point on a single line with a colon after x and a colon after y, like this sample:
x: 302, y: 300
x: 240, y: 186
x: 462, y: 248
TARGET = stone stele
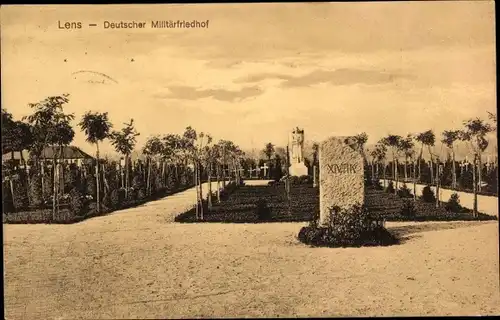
x: 341, y: 176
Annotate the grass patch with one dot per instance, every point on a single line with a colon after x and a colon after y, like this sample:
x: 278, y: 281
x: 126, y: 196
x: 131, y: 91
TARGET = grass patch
x: 257, y: 204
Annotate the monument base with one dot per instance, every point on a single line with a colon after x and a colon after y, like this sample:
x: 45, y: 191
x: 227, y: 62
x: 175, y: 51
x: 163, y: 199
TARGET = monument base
x: 298, y: 169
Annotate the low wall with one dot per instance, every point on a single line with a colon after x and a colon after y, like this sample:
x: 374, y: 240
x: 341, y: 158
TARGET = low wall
x: 485, y: 204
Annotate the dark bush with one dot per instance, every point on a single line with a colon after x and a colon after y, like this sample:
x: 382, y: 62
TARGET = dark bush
x: 408, y: 209
x: 390, y: 187
x: 77, y: 202
x: 305, y: 179
x: 404, y: 192
x: 132, y: 194
x: 377, y: 185
x: 117, y: 197
x: 141, y: 194
x: 368, y: 182
x: 35, y: 193
x: 262, y: 210
x: 349, y: 223
x: 48, y: 186
x: 453, y: 204
x: 171, y: 184
x: 20, y: 194
x: 90, y: 186
x: 428, y: 195
x: 72, y: 179
x: 323, y: 237
x: 137, y: 182
x: 294, y: 180
x: 7, y: 203
x: 184, y: 179
x: 106, y: 200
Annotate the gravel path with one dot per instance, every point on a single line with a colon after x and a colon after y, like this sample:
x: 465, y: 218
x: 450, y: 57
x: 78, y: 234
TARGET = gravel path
x: 137, y: 264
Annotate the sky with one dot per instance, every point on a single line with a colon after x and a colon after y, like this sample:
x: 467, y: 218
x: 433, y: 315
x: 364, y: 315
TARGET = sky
x: 258, y: 70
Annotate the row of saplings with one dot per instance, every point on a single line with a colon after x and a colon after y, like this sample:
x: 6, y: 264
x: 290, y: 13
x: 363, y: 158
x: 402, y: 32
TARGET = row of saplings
x: 118, y: 197
x: 408, y: 210
x: 79, y: 192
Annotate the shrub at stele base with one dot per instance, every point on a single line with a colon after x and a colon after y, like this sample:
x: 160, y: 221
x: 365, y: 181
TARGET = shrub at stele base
x: 352, y: 227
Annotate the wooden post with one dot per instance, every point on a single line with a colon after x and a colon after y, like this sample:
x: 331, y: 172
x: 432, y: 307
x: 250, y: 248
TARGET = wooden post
x: 414, y: 182
x: 54, y: 192
x: 217, y: 168
x: 148, y: 179
x: 373, y: 171
x: 97, y: 187
x: 43, y: 178
x: 11, y: 185
x: 315, y: 181
x: 474, y: 187
x: 209, y: 197
x: 437, y: 182
x: 106, y: 185
x: 195, y: 176
x: 201, y: 191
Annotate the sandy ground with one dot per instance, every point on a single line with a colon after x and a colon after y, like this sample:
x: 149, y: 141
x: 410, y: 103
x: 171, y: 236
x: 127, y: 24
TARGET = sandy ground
x: 136, y: 263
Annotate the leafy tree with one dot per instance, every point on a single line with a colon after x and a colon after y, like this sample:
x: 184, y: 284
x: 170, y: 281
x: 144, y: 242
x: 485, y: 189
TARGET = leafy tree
x: 124, y: 142
x: 7, y: 126
x: 96, y: 127
x: 51, y: 126
x: 153, y: 149
x: 474, y: 134
x: 406, y: 146
x: 394, y: 142
x: 358, y: 142
x: 379, y: 154
x: 173, y: 153
x: 16, y: 135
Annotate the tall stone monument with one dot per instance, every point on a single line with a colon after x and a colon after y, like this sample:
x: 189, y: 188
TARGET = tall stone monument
x: 297, y: 166
x: 341, y: 176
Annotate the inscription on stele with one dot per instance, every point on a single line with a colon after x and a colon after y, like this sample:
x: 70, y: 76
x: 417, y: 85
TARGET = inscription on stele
x: 342, y: 168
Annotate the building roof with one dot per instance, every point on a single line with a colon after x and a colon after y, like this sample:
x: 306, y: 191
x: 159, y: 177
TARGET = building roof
x: 17, y: 155
x: 69, y: 152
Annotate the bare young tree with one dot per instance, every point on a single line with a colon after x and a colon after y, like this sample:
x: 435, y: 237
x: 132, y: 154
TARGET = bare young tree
x: 449, y: 139
x: 96, y: 127
x: 124, y: 142
x: 428, y: 139
x: 394, y: 142
x: 474, y: 133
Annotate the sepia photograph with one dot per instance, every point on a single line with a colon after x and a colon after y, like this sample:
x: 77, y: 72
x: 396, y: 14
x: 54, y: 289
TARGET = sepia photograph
x: 249, y: 160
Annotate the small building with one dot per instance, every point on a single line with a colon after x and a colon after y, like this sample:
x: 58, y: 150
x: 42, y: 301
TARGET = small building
x: 70, y: 154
